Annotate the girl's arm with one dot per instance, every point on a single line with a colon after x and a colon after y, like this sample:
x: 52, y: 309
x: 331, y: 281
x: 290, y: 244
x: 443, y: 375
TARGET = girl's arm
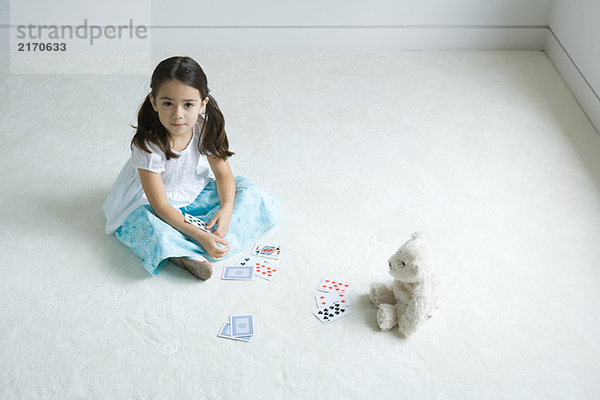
x: 226, y: 189
x: 157, y: 197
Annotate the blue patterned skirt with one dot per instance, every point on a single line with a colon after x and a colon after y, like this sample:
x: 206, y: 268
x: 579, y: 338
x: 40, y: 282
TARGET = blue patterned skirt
x: 155, y: 241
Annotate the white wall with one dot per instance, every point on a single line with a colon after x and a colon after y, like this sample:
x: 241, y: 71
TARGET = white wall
x: 353, y: 12
x: 573, y: 46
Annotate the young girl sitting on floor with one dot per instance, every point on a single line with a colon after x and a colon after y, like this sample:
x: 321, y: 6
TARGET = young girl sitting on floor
x: 178, y: 166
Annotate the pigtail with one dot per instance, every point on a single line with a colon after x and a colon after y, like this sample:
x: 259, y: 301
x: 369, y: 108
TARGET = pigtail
x: 150, y: 129
x: 213, y: 137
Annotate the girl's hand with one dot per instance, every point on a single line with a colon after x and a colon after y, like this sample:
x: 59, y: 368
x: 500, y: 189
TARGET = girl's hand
x: 222, y: 219
x: 209, y: 243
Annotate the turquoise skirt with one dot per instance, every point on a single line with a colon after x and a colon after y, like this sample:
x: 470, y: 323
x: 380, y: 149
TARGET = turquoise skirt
x: 155, y: 241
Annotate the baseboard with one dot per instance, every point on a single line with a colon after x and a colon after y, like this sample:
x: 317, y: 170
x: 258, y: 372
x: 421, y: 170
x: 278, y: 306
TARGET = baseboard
x: 586, y: 96
x: 359, y: 38
x: 351, y: 38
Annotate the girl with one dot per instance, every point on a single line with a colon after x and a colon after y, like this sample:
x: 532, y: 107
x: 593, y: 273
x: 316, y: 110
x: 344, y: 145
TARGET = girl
x: 179, y: 165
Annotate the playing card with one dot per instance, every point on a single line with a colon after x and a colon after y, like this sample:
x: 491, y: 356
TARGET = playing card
x: 266, y: 269
x: 267, y: 251
x: 242, y: 325
x: 335, y: 286
x: 225, y: 332
x: 190, y: 219
x: 331, y: 313
x: 324, y: 299
x: 238, y: 273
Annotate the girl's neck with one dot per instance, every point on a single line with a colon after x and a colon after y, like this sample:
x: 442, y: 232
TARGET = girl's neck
x: 180, y: 143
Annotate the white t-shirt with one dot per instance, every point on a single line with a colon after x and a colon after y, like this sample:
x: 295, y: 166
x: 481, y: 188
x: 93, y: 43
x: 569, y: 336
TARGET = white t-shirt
x: 184, y: 178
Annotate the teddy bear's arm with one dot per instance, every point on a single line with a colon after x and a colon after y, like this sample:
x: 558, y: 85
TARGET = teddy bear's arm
x: 380, y: 293
x: 401, y: 292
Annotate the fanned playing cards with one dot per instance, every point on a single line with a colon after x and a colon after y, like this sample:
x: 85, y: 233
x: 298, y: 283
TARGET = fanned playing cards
x: 332, y: 298
x: 190, y: 219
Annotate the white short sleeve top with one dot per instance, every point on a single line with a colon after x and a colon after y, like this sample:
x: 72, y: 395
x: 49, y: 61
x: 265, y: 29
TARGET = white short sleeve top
x: 184, y: 178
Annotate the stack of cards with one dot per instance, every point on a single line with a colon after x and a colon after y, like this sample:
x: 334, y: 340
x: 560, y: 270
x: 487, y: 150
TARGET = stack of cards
x: 239, y: 327
x: 263, y: 261
x: 332, y: 300
x: 190, y: 219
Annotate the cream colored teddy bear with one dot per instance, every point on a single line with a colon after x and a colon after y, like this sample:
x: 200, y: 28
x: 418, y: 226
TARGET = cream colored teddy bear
x: 414, y: 292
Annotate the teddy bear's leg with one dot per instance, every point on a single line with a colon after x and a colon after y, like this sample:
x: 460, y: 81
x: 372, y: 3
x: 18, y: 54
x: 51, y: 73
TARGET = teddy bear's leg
x: 380, y: 293
x: 410, y: 318
x: 387, y: 316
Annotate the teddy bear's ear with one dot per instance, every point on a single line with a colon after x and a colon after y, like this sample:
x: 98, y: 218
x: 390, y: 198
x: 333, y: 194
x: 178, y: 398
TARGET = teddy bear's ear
x: 417, y: 235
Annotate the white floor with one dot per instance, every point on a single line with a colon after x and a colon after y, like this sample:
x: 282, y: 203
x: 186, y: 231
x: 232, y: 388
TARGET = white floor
x: 486, y: 153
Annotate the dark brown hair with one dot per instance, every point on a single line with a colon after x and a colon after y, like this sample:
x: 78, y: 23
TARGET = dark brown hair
x: 213, y: 139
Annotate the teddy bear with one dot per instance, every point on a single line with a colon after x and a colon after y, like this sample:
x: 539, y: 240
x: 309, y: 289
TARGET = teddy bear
x: 413, y: 295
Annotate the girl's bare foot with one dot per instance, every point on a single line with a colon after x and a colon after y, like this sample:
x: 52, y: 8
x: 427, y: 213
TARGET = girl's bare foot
x: 200, y: 268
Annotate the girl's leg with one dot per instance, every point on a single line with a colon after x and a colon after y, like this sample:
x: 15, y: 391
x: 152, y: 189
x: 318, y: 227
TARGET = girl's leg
x: 155, y: 241
x: 198, y: 267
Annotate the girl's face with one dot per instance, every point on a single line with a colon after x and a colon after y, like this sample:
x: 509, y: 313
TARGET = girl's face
x: 178, y: 106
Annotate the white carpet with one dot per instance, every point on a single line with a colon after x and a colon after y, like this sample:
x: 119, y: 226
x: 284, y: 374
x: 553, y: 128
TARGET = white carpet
x: 486, y: 153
